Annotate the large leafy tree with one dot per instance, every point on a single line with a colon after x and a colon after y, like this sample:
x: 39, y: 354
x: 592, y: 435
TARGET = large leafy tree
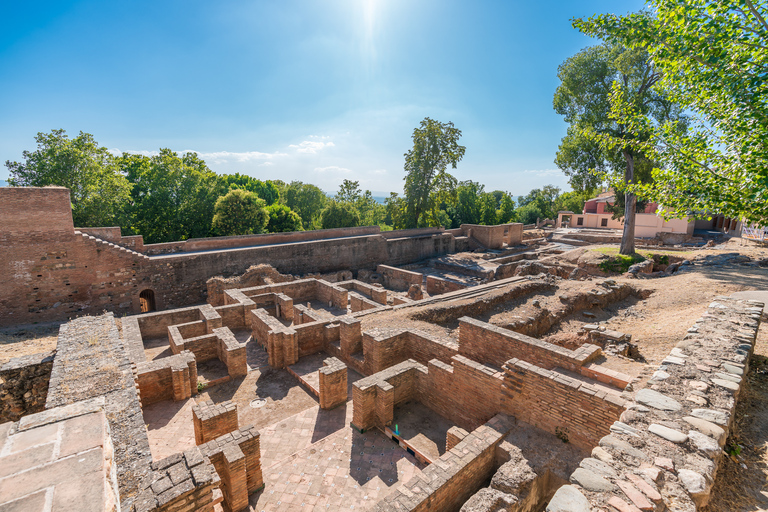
x: 306, y: 200
x: 593, y: 83
x: 283, y: 219
x: 98, y: 191
x: 543, y: 199
x: 266, y: 190
x: 468, y: 203
x: 239, y: 212
x: 713, y: 56
x: 339, y: 215
x: 173, y: 196
x: 427, y: 182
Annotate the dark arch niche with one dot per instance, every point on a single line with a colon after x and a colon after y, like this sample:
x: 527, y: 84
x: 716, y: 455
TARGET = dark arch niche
x: 147, y: 301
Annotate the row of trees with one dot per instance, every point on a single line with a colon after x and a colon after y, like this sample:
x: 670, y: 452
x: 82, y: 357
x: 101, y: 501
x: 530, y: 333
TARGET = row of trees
x: 169, y: 197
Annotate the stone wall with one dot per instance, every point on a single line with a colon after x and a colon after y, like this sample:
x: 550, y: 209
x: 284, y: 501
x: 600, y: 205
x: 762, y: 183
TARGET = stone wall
x: 399, y: 279
x: 438, y: 285
x: 91, y: 361
x: 58, y: 460
x: 24, y: 385
x: 665, y: 450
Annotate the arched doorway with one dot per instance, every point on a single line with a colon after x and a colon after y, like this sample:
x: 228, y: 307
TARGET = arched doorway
x: 147, y: 301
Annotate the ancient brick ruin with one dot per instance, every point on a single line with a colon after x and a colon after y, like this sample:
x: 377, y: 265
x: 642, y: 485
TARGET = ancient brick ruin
x: 411, y: 398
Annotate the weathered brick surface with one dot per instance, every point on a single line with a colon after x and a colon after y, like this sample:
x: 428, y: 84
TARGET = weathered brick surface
x: 224, y: 454
x: 167, y: 378
x: 448, y: 482
x: 333, y: 383
x: 494, y: 345
x: 183, y: 482
x: 557, y: 403
x: 438, y: 285
x: 213, y: 420
x: 24, y: 385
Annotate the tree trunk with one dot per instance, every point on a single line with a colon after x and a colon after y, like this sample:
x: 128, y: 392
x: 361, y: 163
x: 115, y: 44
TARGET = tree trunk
x: 630, y: 208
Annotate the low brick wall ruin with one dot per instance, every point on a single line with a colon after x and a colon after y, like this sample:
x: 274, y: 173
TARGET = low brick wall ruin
x: 24, y: 385
x: 576, y: 411
x: 438, y: 285
x: 333, y: 383
x: 168, y: 378
x: 399, y: 279
x: 448, y: 482
x: 237, y: 459
x: 666, y: 449
x: 213, y: 420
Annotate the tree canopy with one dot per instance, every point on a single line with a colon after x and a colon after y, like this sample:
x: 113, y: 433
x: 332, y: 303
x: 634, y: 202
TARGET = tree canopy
x: 427, y: 182
x: 598, y: 146
x: 307, y: 201
x: 239, y: 212
x: 713, y: 58
x: 98, y: 192
x: 282, y: 219
x: 339, y: 215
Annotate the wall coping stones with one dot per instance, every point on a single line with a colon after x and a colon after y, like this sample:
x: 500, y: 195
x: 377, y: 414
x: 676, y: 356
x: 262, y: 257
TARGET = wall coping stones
x: 685, y: 461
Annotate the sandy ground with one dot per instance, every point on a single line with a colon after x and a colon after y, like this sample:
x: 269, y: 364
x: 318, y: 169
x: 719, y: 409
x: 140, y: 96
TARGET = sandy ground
x: 26, y: 340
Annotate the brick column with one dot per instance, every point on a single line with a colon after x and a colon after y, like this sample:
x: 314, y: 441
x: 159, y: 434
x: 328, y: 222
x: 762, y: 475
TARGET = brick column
x: 454, y: 436
x: 333, y: 383
x: 350, y: 335
x: 213, y: 420
x: 234, y: 483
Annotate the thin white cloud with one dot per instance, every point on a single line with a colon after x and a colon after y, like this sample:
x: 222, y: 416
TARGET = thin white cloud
x: 545, y: 172
x: 378, y: 171
x: 225, y: 156
x: 216, y: 156
x: 310, y: 146
x: 333, y: 169
x: 118, y: 152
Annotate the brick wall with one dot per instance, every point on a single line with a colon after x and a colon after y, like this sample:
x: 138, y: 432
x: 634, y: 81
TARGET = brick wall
x: 487, y: 343
x: 213, y: 420
x: 438, y: 285
x: 455, y: 476
x: 24, y: 385
x: 399, y: 279
x: 555, y: 402
x: 168, y: 378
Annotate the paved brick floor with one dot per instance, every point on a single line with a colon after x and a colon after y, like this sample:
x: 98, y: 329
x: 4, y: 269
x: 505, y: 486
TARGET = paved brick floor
x: 169, y: 427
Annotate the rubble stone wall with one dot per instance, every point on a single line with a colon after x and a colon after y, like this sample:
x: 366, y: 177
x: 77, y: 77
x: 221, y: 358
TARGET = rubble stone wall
x: 666, y: 448
x: 24, y: 385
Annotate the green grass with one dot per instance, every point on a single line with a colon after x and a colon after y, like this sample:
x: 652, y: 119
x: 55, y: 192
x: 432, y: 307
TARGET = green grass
x: 620, y: 263
x: 614, y: 251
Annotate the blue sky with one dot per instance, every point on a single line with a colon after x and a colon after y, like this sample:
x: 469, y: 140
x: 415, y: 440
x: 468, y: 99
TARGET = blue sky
x: 317, y: 91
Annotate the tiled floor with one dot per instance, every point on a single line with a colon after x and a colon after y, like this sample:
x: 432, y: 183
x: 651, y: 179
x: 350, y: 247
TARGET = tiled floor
x: 156, y: 348
x: 169, y: 427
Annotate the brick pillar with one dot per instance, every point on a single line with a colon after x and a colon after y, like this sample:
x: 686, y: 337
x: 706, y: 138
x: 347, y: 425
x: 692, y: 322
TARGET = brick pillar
x: 350, y: 335
x: 234, y: 482
x: 454, y: 436
x: 333, y: 383
x: 213, y: 420
x: 385, y: 404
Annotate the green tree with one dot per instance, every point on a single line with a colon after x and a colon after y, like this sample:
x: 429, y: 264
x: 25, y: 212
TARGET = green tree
x: 487, y: 209
x: 544, y: 199
x: 427, y: 182
x: 713, y: 57
x: 592, y: 81
x: 239, y: 212
x: 306, y: 200
x: 573, y: 201
x: 282, y: 219
x: 506, y: 211
x: 266, y: 190
x: 339, y: 215
x: 98, y: 192
x: 173, y: 196
x: 349, y: 192
x: 395, y: 214
x: 468, y: 204
x: 529, y: 213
